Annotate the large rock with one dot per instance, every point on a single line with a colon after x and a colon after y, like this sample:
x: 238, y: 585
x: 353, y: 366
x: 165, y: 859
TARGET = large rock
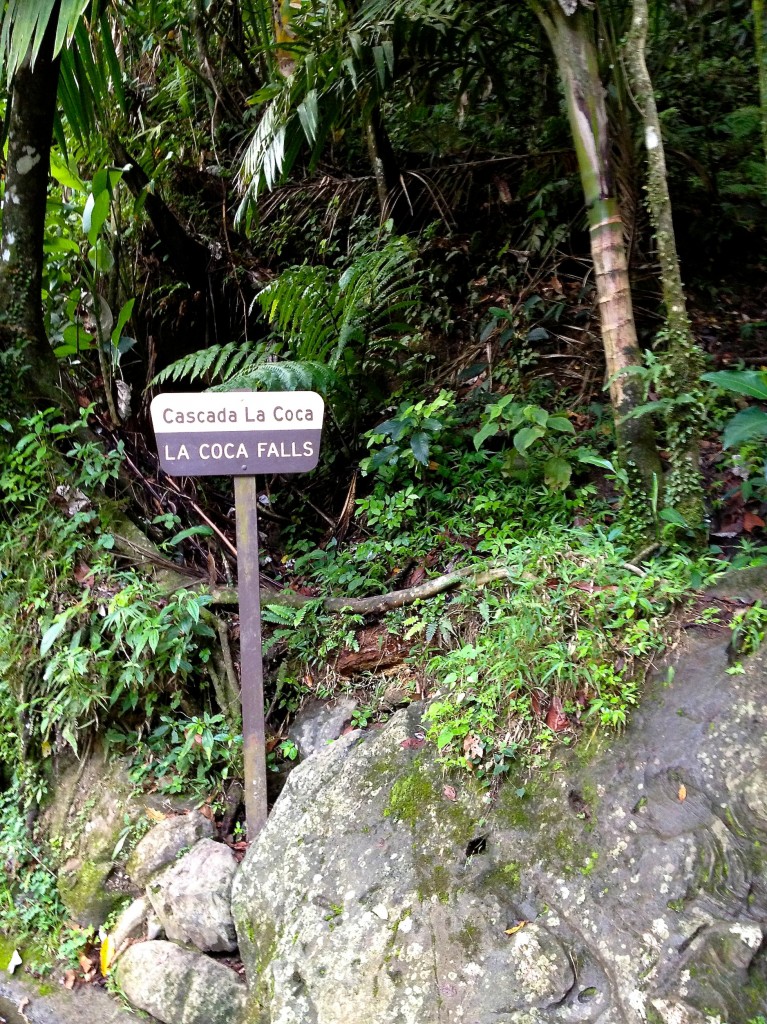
x: 162, y: 845
x: 318, y: 723
x: 179, y: 987
x: 630, y: 886
x: 192, y: 898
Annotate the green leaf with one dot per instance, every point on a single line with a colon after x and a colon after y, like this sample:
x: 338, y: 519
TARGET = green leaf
x: 61, y: 171
x: 747, y: 424
x: 419, y: 444
x: 52, y: 633
x: 557, y: 473
x: 527, y: 436
x: 95, y: 214
x: 670, y: 515
x: 486, y: 430
x: 122, y: 319
x: 445, y: 737
x: 743, y: 382
x: 100, y: 257
x: 561, y: 423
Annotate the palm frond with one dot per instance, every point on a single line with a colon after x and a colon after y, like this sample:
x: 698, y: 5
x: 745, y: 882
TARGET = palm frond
x: 288, y: 375
x: 25, y: 23
x: 215, y: 362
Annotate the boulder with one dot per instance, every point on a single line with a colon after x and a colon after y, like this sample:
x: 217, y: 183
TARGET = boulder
x: 192, y: 898
x: 629, y: 886
x: 179, y: 987
x: 163, y: 844
x: 318, y: 723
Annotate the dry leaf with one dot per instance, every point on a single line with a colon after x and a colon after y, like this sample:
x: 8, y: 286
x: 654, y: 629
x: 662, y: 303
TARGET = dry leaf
x: 517, y: 927
x: 85, y: 962
x: 413, y: 742
x: 683, y: 792
x: 752, y: 522
x: 472, y: 746
x: 70, y: 977
x: 449, y: 793
x: 154, y: 815
x: 14, y: 962
x: 556, y: 720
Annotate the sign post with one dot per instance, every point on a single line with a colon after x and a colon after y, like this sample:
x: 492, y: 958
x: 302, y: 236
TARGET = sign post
x: 240, y: 434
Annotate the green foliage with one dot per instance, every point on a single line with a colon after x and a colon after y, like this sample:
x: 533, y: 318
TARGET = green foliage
x: 748, y: 423
x: 573, y: 631
x: 413, y: 433
x: 183, y: 754
x: 537, y: 437
x: 748, y: 629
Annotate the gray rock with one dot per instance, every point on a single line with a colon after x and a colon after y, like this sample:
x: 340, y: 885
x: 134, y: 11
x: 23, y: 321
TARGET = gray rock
x: 318, y: 723
x: 180, y: 987
x: 629, y: 886
x: 192, y: 898
x: 53, y: 1004
x: 162, y: 845
x: 130, y: 924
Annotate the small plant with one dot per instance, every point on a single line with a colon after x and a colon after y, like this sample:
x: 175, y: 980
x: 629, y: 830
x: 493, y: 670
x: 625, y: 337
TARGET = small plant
x: 412, y: 434
x: 748, y: 629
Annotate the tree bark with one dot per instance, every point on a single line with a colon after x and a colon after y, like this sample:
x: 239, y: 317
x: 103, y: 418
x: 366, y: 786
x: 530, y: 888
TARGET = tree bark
x: 572, y: 41
x: 30, y: 128
x: 760, y: 43
x: 680, y: 376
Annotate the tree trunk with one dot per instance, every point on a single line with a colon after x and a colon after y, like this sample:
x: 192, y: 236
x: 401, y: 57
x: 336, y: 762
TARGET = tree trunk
x: 30, y: 128
x: 683, y: 362
x: 760, y: 42
x: 575, y: 53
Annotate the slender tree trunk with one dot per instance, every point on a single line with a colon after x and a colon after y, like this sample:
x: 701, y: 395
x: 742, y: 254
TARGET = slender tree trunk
x: 575, y: 53
x: 760, y: 42
x: 683, y: 361
x: 30, y: 128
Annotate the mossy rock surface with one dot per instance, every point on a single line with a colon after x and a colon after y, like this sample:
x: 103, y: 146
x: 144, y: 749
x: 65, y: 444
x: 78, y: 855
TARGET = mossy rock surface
x: 629, y: 886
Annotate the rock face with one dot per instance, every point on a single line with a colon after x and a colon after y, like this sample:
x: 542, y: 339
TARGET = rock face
x: 179, y: 987
x: 192, y: 898
x: 318, y: 723
x: 164, y: 843
x: 629, y: 887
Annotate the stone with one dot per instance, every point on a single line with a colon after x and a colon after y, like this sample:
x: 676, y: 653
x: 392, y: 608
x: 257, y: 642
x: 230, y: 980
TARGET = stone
x: 192, y: 898
x: 179, y: 987
x: 163, y: 844
x: 318, y: 723
x: 629, y: 886
x: 131, y: 924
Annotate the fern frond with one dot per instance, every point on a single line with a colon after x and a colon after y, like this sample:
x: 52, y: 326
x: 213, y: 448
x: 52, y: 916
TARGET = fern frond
x: 215, y: 361
x: 287, y: 375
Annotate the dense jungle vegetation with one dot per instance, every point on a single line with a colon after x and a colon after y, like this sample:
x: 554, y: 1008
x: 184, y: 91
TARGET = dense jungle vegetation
x: 455, y: 223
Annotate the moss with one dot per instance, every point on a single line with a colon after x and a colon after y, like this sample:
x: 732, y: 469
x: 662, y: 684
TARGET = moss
x: 506, y: 876
x: 84, y: 894
x: 468, y: 938
x: 409, y: 796
x: 433, y: 879
x: 514, y: 807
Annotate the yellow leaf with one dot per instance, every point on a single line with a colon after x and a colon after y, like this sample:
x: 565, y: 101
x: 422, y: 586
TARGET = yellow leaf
x: 154, y: 815
x: 105, y: 958
x: 683, y: 792
x: 45, y: 748
x: 517, y: 927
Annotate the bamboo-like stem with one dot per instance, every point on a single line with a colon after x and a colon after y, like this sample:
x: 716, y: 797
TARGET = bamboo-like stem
x: 760, y: 44
x: 575, y: 53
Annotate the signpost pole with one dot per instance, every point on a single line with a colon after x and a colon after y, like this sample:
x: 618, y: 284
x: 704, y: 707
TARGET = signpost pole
x: 251, y: 665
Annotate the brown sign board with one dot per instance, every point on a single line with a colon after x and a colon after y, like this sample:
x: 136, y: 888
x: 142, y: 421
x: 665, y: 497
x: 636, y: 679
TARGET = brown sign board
x: 238, y: 433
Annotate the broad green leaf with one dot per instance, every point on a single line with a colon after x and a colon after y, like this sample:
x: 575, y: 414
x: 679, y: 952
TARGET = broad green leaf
x: 487, y: 430
x: 63, y: 173
x: 747, y: 424
x: 527, y: 436
x: 557, y: 473
x: 743, y: 382
x: 95, y: 214
x: 100, y: 257
x: 52, y: 633
x: 419, y: 444
x: 122, y: 318
x: 670, y: 515
x: 561, y: 423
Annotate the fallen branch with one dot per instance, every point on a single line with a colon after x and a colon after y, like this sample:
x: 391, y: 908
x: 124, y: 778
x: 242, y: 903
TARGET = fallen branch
x: 377, y: 603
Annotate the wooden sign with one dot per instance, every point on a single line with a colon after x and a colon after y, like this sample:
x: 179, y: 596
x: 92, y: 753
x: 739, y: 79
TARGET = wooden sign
x: 239, y: 434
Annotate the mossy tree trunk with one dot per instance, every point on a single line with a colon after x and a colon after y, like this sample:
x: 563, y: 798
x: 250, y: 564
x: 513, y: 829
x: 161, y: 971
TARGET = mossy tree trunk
x: 760, y: 43
x: 572, y: 40
x: 683, y: 362
x: 30, y: 128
